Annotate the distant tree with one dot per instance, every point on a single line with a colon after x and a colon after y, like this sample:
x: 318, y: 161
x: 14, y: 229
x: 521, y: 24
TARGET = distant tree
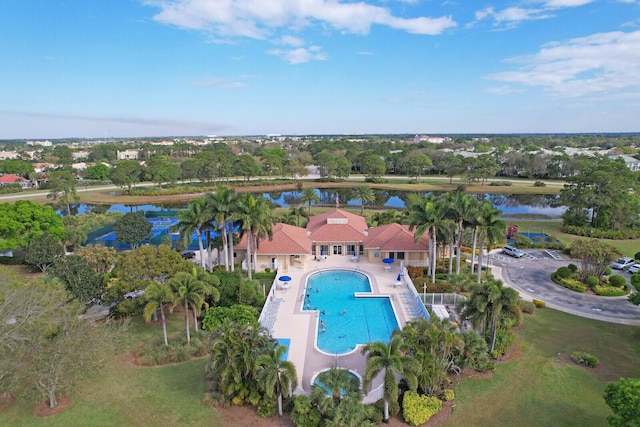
x: 373, y: 167
x: 365, y: 194
x: 25, y: 221
x: 417, y: 165
x: 160, y: 169
x: 44, y: 251
x: 343, y: 167
x: 104, y: 152
x: 126, y: 174
x: 63, y: 155
x: 452, y: 165
x: 99, y: 171
x: 63, y: 189
x: 16, y: 167
x: 78, y: 278
x: 594, y: 256
x: 623, y: 397
x: 132, y: 228
x: 272, y: 160
x: 245, y: 166
x: 309, y: 196
x: 188, y: 169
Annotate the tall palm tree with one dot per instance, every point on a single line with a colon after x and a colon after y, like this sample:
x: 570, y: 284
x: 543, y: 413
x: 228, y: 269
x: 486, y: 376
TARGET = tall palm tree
x: 365, y: 194
x: 219, y: 208
x: 490, y: 228
x: 459, y: 208
x: 391, y: 361
x: 426, y: 215
x: 188, y: 290
x: 276, y: 375
x: 193, y: 219
x: 309, y: 196
x: 157, y: 296
x: 255, y: 220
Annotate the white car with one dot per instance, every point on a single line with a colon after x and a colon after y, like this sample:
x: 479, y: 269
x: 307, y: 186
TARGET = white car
x: 623, y: 263
x: 634, y: 268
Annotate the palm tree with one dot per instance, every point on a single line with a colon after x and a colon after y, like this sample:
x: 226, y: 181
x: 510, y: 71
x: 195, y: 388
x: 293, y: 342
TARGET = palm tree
x: 388, y: 216
x: 188, y: 290
x: 459, y: 208
x: 254, y: 218
x: 490, y: 227
x: 426, y: 215
x: 276, y: 375
x: 391, y: 361
x: 211, y: 282
x: 486, y: 306
x: 297, y: 212
x: 157, y: 295
x: 309, y: 196
x: 219, y: 208
x: 193, y: 219
x: 365, y: 194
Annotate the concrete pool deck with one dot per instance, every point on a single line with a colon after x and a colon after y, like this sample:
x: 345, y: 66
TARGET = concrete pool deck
x: 301, y: 326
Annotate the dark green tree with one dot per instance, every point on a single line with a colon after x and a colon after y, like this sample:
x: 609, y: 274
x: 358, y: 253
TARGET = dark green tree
x: 23, y: 222
x: 132, y: 228
x: 99, y: 171
x: 63, y: 189
x: 127, y: 173
x: 160, y: 169
x: 44, y: 251
x: 373, y: 167
x: 78, y: 278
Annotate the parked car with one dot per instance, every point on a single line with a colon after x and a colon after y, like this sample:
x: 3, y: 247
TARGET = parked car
x: 513, y: 251
x: 634, y: 268
x: 188, y: 254
x: 623, y: 263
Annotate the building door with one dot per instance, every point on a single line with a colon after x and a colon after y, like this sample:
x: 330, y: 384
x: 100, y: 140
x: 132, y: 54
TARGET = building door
x: 337, y: 249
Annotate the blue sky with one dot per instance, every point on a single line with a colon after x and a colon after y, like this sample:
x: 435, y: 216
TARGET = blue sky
x: 126, y: 68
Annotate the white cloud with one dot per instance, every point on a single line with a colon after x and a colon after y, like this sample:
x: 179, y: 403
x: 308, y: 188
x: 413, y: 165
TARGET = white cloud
x: 511, y: 17
x: 300, y: 55
x: 257, y: 19
x: 290, y: 41
x: 603, y: 63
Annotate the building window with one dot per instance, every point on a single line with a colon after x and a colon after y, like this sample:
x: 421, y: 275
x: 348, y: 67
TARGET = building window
x: 324, y: 249
x: 351, y: 250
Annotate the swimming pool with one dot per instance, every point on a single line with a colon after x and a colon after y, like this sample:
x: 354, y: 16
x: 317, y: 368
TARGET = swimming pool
x: 347, y: 320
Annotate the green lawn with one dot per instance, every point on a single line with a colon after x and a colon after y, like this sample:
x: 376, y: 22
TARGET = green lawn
x: 543, y: 388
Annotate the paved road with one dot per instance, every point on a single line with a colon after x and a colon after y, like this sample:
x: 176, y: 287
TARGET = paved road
x: 530, y: 276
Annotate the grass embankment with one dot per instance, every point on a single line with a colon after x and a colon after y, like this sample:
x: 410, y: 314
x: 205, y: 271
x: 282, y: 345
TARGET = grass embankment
x: 544, y: 387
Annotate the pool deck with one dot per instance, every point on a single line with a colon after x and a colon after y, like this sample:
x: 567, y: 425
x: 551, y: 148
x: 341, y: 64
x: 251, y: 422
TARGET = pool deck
x: 301, y: 326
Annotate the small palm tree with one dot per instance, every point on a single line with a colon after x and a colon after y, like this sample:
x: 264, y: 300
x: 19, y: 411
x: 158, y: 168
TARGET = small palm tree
x: 392, y: 362
x: 365, y: 194
x: 276, y: 375
x: 193, y: 220
x: 188, y: 290
x: 309, y: 196
x: 157, y: 296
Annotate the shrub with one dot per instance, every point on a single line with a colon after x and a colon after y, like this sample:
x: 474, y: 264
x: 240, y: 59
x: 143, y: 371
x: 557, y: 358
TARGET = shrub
x: 610, y: 291
x: 586, y: 359
x: 607, y: 272
x: 592, y: 281
x: 501, y: 183
x: 572, y: 284
x: 448, y: 395
x: 539, y: 304
x: 618, y: 281
x: 266, y: 408
x: 635, y: 280
x: 526, y: 306
x: 418, y: 409
x: 522, y: 241
x: 539, y: 184
x: 563, y: 272
x: 504, y: 339
x: 635, y: 298
x: 304, y: 413
x: 572, y: 267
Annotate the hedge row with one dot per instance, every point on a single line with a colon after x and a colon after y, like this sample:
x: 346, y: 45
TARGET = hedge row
x: 568, y: 283
x: 602, y: 233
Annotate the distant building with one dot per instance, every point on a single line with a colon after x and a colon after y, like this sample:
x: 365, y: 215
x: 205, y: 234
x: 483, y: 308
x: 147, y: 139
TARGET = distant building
x: 128, y: 155
x: 431, y: 139
x: 9, y: 179
x: 9, y: 155
x: 40, y: 143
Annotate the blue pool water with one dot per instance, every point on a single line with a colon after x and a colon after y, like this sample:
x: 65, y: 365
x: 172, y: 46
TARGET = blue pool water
x: 347, y: 320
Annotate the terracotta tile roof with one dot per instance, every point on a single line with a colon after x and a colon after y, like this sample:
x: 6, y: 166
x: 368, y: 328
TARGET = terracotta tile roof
x: 287, y: 240
x: 337, y: 226
x: 10, y: 179
x: 395, y: 237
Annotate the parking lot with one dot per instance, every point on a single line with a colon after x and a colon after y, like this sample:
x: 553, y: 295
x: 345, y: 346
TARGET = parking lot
x: 530, y: 275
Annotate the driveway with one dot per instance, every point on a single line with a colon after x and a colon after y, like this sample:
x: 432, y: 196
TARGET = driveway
x: 530, y: 276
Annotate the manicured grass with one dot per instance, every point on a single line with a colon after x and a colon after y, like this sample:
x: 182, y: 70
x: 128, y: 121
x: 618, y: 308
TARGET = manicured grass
x: 544, y: 388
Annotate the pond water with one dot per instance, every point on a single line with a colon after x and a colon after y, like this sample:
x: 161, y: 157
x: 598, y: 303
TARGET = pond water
x: 520, y: 205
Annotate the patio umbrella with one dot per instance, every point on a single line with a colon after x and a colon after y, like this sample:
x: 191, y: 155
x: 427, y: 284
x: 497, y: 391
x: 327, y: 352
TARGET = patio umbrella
x: 387, y: 260
x: 285, y: 279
